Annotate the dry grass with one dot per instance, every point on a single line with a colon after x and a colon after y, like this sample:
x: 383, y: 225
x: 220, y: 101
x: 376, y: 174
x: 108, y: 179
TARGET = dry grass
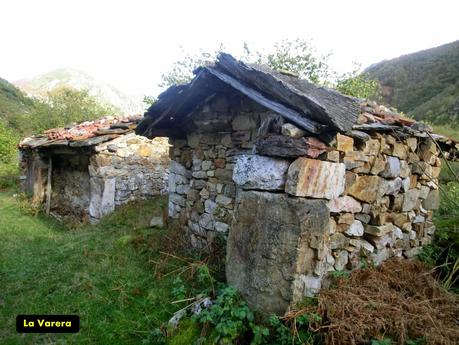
x: 399, y: 300
x: 171, y: 255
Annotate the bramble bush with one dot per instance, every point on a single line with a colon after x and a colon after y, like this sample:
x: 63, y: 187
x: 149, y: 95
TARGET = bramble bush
x: 230, y: 318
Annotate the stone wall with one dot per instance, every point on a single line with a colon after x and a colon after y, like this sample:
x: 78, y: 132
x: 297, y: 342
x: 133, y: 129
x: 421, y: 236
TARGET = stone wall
x: 289, y: 221
x: 70, y: 185
x: 361, y: 203
x: 387, y: 207
x: 125, y: 169
x: 201, y: 188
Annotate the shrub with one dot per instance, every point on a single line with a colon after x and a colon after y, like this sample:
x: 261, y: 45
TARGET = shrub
x: 449, y: 201
x: 8, y: 175
x: 8, y: 141
x: 8, y: 157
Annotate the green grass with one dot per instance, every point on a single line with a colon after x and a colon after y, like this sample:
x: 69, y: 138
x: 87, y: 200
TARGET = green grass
x: 94, y: 271
x: 445, y: 130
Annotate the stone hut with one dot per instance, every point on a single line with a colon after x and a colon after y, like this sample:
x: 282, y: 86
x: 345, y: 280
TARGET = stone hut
x: 86, y: 170
x: 300, y: 180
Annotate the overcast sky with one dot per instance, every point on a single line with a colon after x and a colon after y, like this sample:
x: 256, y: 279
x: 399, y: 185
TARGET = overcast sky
x: 130, y: 43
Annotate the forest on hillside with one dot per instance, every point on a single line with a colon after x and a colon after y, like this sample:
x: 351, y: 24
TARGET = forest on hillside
x: 12, y: 101
x: 424, y: 84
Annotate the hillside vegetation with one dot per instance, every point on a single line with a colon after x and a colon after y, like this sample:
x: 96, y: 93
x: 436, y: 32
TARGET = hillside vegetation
x: 424, y: 84
x: 21, y: 116
x: 12, y: 101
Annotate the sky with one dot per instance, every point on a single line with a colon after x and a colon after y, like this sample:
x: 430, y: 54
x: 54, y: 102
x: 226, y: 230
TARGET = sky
x: 130, y: 43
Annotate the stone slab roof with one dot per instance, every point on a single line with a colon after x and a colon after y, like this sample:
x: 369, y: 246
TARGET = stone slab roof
x: 312, y: 108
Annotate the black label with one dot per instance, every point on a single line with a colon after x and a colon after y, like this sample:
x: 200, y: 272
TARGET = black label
x: 47, y: 323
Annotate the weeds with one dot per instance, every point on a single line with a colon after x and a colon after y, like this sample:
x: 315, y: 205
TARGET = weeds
x: 384, y: 341
x: 26, y: 207
x: 230, y: 317
x: 452, y: 276
x: 443, y: 252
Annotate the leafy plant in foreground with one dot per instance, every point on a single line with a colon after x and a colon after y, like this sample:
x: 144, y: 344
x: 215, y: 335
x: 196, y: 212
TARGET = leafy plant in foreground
x: 231, y: 318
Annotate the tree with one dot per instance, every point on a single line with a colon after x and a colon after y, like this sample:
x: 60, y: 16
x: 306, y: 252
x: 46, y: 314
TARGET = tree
x: 148, y: 100
x: 62, y: 107
x: 299, y: 57
x: 8, y: 141
x: 182, y: 70
x: 358, y: 85
x: 296, y: 56
x: 8, y: 154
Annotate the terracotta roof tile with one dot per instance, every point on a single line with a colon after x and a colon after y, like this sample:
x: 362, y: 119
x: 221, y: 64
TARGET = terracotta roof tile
x: 108, y: 126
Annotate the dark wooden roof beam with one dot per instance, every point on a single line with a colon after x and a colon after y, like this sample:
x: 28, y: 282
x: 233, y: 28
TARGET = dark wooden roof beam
x: 290, y: 114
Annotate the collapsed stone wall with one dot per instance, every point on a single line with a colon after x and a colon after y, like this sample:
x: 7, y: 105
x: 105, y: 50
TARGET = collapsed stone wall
x: 289, y: 221
x: 88, y: 184
x: 125, y: 169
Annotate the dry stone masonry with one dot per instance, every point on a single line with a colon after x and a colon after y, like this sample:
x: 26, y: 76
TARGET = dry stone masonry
x: 359, y: 202
x: 134, y: 165
x: 300, y: 181
x: 202, y: 189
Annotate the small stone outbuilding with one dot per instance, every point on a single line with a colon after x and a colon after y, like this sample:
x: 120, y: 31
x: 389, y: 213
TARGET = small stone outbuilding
x: 85, y: 171
x: 300, y: 180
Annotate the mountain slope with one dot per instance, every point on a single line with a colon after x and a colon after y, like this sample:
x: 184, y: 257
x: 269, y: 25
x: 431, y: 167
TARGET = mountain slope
x: 12, y: 101
x: 424, y: 84
x: 39, y: 87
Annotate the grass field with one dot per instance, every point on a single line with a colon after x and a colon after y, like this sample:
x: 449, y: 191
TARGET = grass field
x: 94, y: 272
x: 115, y: 276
